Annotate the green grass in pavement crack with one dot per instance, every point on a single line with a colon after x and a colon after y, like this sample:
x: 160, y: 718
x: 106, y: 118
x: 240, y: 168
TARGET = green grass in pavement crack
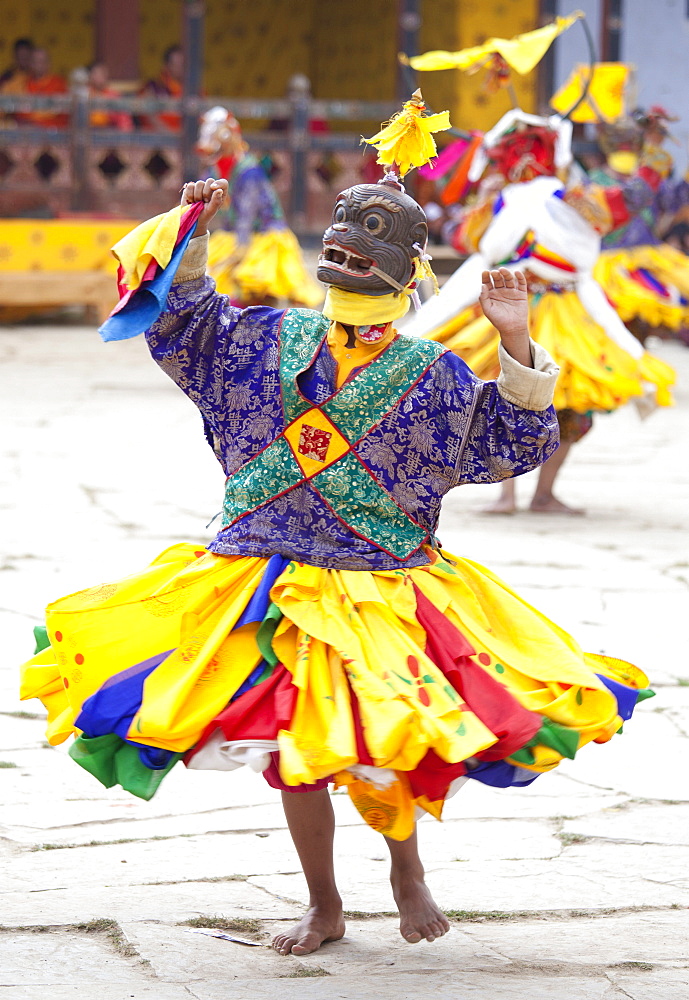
x: 499, y: 916
x: 8, y: 763
x: 238, y: 925
x: 112, y: 930
x: 206, y: 878
x: 571, y: 838
x: 479, y: 916
x: 107, y: 843
x: 24, y: 715
x: 305, y: 973
x: 104, y: 925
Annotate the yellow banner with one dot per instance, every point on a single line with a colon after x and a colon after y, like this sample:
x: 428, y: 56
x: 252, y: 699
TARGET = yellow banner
x: 605, y: 100
x: 522, y: 52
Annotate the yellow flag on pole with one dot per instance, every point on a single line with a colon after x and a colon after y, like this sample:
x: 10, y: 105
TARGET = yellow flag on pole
x: 521, y: 53
x: 605, y: 99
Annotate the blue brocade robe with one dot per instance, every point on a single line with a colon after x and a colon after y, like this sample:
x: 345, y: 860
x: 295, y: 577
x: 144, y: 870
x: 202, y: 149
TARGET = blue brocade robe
x: 444, y: 428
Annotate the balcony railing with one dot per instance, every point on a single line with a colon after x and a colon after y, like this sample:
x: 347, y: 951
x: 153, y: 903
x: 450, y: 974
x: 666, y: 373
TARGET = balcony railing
x: 78, y: 167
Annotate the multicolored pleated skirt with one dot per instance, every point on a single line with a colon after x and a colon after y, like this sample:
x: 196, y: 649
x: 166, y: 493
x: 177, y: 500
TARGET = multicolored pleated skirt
x: 400, y: 685
x: 650, y: 283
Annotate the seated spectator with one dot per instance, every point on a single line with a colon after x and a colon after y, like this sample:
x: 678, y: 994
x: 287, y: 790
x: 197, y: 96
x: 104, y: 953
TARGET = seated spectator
x: 168, y: 83
x: 42, y: 82
x: 17, y: 75
x: 98, y: 87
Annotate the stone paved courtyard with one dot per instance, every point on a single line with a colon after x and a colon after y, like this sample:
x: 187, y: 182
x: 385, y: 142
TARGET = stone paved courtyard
x: 576, y: 886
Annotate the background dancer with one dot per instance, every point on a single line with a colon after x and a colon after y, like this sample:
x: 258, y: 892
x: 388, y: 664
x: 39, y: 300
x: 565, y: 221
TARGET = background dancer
x: 253, y: 256
x: 645, y: 278
x: 533, y: 222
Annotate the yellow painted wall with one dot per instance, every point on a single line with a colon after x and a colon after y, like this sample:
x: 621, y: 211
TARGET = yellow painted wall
x: 347, y: 47
x: 459, y: 24
x: 160, y: 27
x: 63, y: 27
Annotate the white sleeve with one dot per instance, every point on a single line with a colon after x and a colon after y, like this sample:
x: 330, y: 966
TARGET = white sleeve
x: 529, y: 388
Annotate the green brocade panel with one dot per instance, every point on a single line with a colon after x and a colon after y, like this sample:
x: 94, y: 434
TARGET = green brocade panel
x: 363, y: 401
x: 301, y: 332
x: 268, y: 474
x: 367, y: 508
x: 356, y: 498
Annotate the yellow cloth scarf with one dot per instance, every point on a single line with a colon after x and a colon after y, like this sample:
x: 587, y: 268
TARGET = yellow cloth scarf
x: 364, y: 310
x: 154, y: 239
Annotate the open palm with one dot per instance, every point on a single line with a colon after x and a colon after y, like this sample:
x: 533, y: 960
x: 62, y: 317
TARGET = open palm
x: 504, y: 300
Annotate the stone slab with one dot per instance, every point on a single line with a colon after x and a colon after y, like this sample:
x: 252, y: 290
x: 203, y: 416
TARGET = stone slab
x: 137, y: 863
x: 177, y: 901
x: 469, y: 986
x: 654, y: 985
x: 584, y: 876
x: 76, y: 991
x: 662, y: 824
x: 652, y: 937
x: 50, y: 959
x: 180, y: 954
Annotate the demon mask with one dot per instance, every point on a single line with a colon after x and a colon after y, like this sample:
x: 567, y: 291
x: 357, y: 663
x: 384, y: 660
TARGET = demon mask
x: 375, y: 235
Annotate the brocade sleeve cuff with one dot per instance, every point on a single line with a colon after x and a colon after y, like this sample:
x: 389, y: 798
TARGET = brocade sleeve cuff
x: 529, y: 388
x: 193, y: 263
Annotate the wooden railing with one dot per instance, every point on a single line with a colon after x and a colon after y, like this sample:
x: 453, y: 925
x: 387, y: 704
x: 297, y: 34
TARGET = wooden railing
x: 85, y: 169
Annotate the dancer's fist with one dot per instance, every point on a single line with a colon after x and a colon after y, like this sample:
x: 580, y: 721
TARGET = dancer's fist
x: 212, y: 193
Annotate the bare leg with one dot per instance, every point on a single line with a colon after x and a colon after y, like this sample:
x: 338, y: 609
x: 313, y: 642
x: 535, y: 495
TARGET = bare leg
x: 506, y: 503
x: 544, y: 502
x: 419, y: 916
x: 311, y: 822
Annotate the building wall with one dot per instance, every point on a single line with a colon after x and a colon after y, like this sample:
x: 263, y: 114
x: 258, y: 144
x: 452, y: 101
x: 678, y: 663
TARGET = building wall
x: 655, y: 40
x: 477, y: 21
x: 64, y: 27
x: 349, y: 50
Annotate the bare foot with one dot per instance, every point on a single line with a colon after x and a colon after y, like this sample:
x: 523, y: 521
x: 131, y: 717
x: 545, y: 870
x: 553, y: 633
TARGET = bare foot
x: 551, y: 505
x: 320, y: 924
x: 502, y: 506
x: 419, y: 916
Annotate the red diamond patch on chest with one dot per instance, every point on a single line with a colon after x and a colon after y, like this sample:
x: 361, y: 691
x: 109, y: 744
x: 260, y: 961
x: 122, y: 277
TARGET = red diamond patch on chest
x: 314, y: 442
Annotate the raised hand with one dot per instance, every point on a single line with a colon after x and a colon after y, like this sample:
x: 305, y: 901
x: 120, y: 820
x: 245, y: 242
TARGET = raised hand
x: 505, y: 303
x: 212, y: 192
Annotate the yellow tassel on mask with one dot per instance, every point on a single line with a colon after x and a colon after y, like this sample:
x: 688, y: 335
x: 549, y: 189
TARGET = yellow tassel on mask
x: 407, y: 140
x: 424, y: 271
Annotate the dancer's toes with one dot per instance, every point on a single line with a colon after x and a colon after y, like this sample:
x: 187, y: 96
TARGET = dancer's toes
x: 502, y: 506
x: 313, y: 930
x: 282, y: 943
x: 410, y: 933
x: 420, y: 918
x: 311, y: 942
x: 551, y: 505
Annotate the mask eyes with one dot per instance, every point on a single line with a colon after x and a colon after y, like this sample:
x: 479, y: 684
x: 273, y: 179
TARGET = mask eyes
x: 339, y: 214
x: 374, y: 222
